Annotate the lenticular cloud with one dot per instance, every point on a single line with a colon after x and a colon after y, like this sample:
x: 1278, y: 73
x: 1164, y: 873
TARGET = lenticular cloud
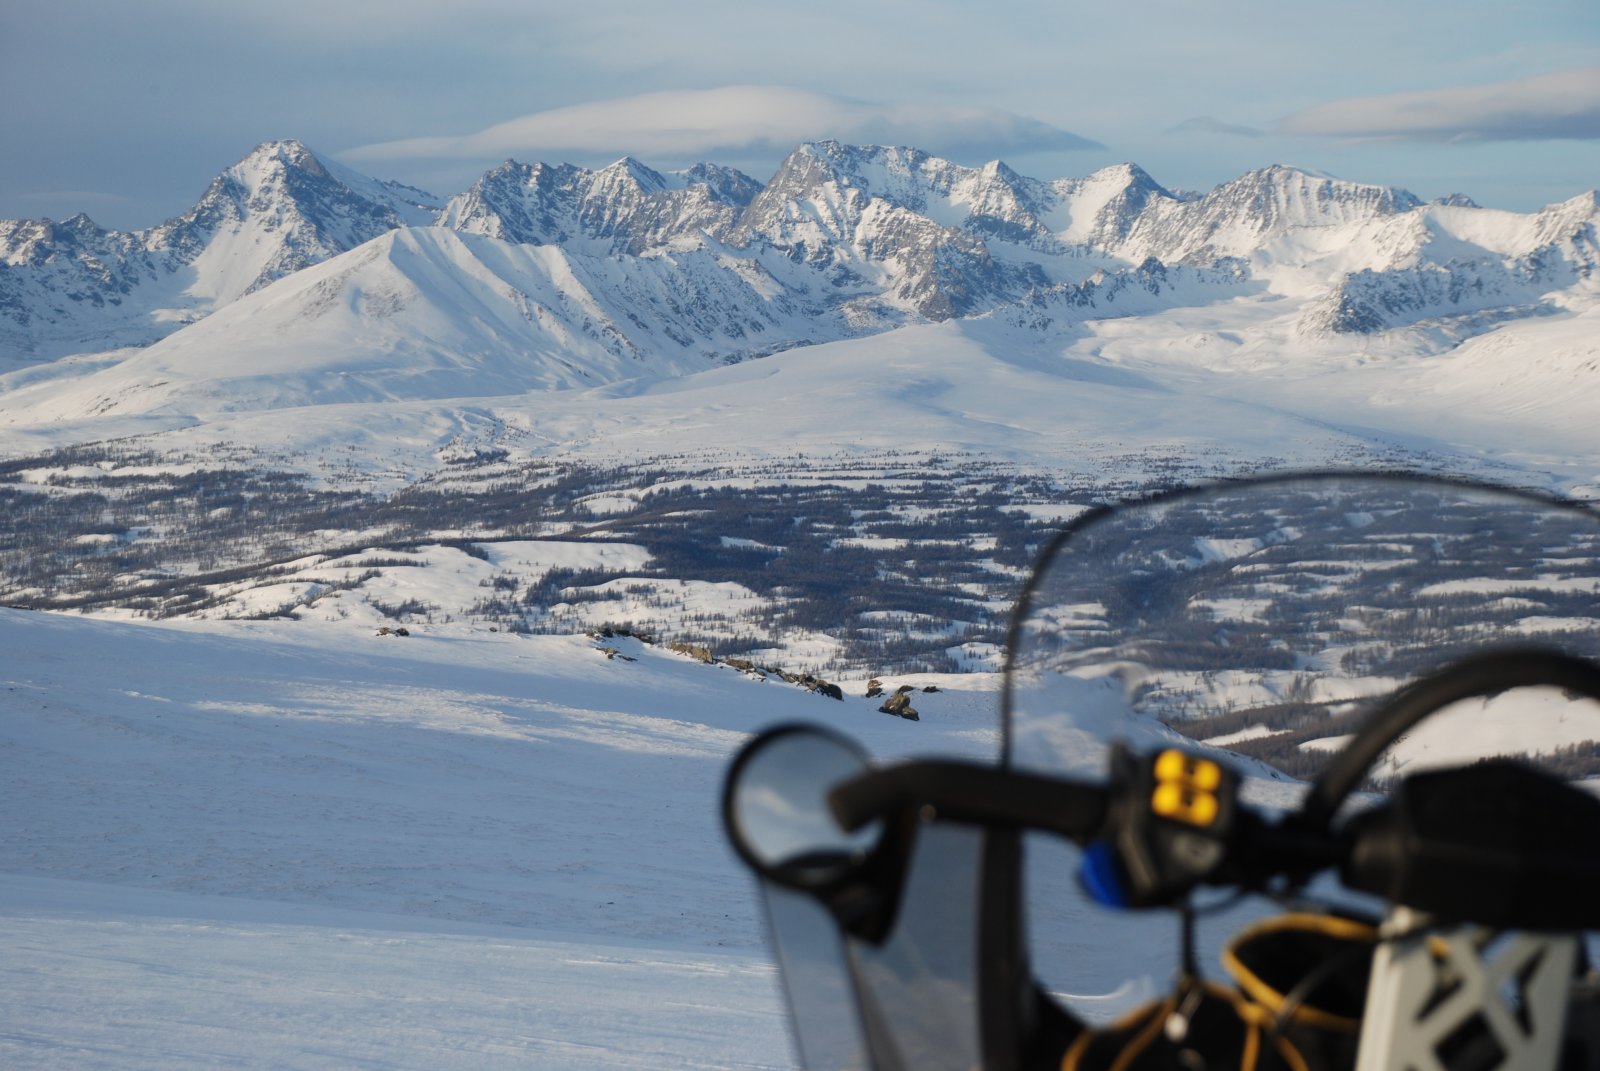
x: 731, y: 118
x: 1565, y: 105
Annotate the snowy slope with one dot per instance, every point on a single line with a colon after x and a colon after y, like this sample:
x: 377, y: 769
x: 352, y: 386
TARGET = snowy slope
x: 429, y: 313
x: 269, y: 846
x: 987, y: 388
x: 104, y: 977
x: 301, y: 845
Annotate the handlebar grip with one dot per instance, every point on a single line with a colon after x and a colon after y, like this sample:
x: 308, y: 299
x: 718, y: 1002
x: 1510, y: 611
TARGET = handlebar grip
x: 972, y: 793
x: 1497, y: 844
x: 1485, y: 674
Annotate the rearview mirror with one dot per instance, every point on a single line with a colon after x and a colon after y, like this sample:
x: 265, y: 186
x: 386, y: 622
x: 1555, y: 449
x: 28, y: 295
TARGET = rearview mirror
x: 775, y: 806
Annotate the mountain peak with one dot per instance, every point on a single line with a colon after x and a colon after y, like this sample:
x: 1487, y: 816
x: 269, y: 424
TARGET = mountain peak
x: 277, y: 156
x: 1130, y: 172
x: 82, y: 224
x: 1584, y: 202
x: 646, y: 178
x: 282, y: 148
x: 727, y: 184
x: 1281, y: 196
x: 1132, y: 184
x: 1000, y: 171
x: 852, y: 160
x: 1283, y: 176
x: 829, y: 148
x: 859, y: 161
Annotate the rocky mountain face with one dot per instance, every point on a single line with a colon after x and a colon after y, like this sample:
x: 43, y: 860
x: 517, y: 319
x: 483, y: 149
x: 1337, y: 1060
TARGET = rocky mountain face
x: 58, y: 279
x: 1242, y: 217
x: 895, y: 232
x: 293, y: 208
x: 1464, y: 268
x: 842, y: 240
x: 625, y: 209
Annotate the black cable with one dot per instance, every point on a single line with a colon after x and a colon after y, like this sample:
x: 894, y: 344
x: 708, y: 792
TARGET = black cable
x: 1296, y: 997
x: 1191, y: 963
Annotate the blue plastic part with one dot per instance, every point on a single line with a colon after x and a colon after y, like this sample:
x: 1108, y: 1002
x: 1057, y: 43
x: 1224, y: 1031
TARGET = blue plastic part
x: 1100, y: 875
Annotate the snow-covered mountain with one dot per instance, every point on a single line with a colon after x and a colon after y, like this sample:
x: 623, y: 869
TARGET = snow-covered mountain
x: 1299, y: 291
x: 428, y: 313
x: 1258, y: 210
x: 73, y: 287
x: 1443, y: 261
x: 625, y: 208
x: 841, y: 241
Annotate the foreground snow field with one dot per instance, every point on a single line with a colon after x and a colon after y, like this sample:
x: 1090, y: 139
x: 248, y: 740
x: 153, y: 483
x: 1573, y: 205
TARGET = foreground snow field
x: 99, y: 976
x: 297, y: 845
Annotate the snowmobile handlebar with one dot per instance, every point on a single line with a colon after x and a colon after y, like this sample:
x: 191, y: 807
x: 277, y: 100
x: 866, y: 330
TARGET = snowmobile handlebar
x: 1495, y: 843
x: 1163, y: 824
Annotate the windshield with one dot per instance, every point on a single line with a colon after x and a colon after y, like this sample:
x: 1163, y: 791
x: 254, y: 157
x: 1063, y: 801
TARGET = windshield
x: 1270, y: 618
x: 1266, y: 622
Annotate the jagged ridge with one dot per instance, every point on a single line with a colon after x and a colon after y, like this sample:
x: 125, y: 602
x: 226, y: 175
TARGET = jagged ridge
x: 849, y: 239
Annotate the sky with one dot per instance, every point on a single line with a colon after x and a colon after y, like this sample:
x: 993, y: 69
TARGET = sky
x: 126, y: 111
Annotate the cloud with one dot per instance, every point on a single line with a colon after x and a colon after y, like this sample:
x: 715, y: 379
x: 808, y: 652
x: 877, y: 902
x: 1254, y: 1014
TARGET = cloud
x: 693, y: 123
x: 1565, y: 105
x: 1204, y: 124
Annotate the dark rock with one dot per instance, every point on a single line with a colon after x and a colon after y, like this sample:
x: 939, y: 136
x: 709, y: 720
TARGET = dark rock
x: 696, y: 652
x: 900, y: 706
